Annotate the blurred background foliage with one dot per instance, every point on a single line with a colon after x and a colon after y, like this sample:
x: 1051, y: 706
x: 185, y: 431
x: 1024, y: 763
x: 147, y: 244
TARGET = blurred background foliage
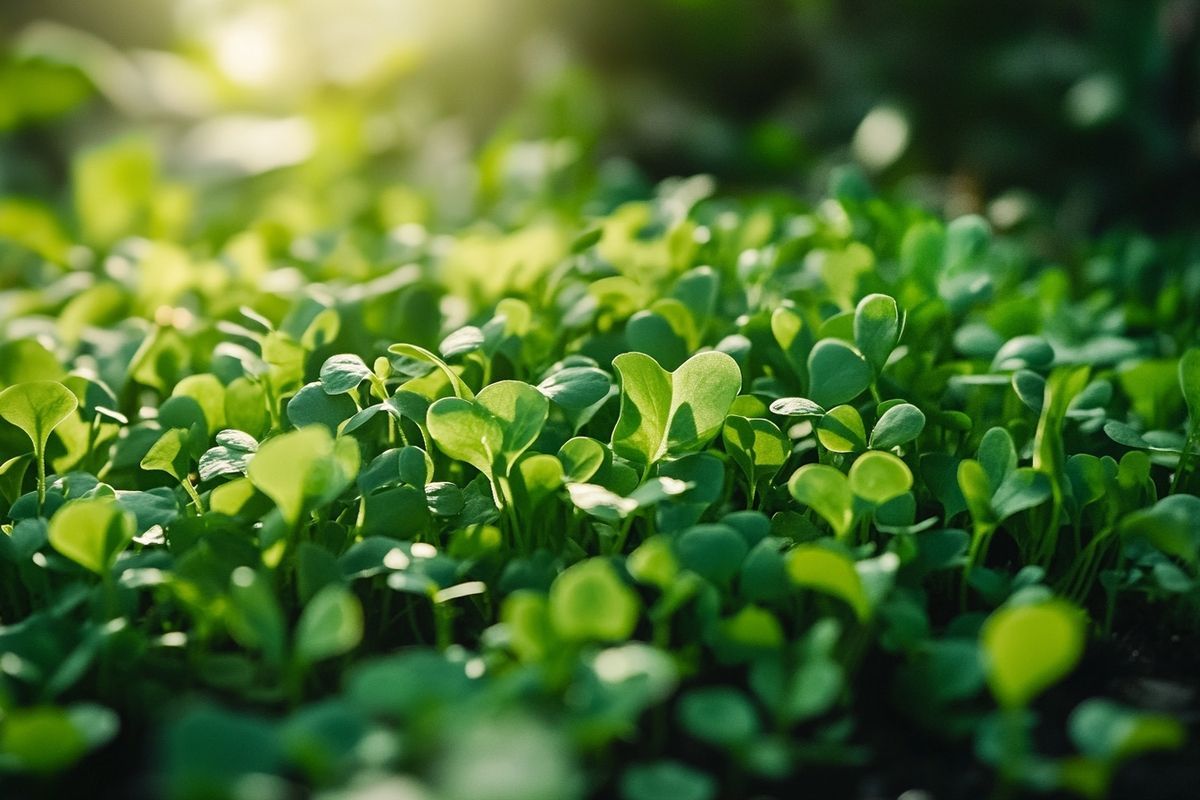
x: 1079, y: 114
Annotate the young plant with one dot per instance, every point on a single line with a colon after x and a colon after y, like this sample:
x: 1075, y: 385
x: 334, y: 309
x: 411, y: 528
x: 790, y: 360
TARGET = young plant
x: 37, y: 408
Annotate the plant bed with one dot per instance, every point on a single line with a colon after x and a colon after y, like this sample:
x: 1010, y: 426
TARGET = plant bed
x: 686, y: 496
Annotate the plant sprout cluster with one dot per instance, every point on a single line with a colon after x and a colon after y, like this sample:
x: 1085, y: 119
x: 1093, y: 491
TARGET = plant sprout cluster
x: 663, y: 494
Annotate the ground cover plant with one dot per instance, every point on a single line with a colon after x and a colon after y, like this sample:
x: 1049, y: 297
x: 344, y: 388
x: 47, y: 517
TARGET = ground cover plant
x: 655, y: 493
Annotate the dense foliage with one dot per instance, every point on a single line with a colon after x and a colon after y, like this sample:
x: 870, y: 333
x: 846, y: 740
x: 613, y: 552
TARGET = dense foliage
x: 670, y: 495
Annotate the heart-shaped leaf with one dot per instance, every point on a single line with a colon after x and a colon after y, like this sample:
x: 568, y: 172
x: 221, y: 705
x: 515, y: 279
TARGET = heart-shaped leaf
x: 1023, y: 488
x: 582, y: 458
x: 841, y: 430
x: 491, y: 431
x: 37, y: 408
x: 672, y: 413
x: 170, y: 454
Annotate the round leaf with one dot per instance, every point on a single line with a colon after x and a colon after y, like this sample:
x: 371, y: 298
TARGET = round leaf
x: 719, y: 716
x: 714, y: 551
x: 1029, y: 648
x: 842, y: 430
x: 666, y: 779
x: 876, y: 328
x: 343, y: 373
x: 297, y: 467
x: 331, y: 624
x: 464, y: 431
x: 877, y: 477
x: 837, y: 373
x: 313, y: 405
x: 588, y: 602
x: 899, y: 425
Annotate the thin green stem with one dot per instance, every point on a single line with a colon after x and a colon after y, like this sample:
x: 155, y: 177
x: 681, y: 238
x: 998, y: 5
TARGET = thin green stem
x: 1184, y: 458
x: 977, y: 553
x: 505, y: 496
x: 41, y: 480
x: 193, y: 494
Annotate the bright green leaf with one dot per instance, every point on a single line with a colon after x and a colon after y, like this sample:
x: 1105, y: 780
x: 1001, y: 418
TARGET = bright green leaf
x: 876, y: 328
x: 37, y: 408
x: 841, y: 430
x: 877, y: 477
x: 824, y: 570
x: 826, y: 491
x: 672, y: 413
x: 92, y: 532
x: 588, y: 602
x: 297, y: 468
x: 1029, y: 648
